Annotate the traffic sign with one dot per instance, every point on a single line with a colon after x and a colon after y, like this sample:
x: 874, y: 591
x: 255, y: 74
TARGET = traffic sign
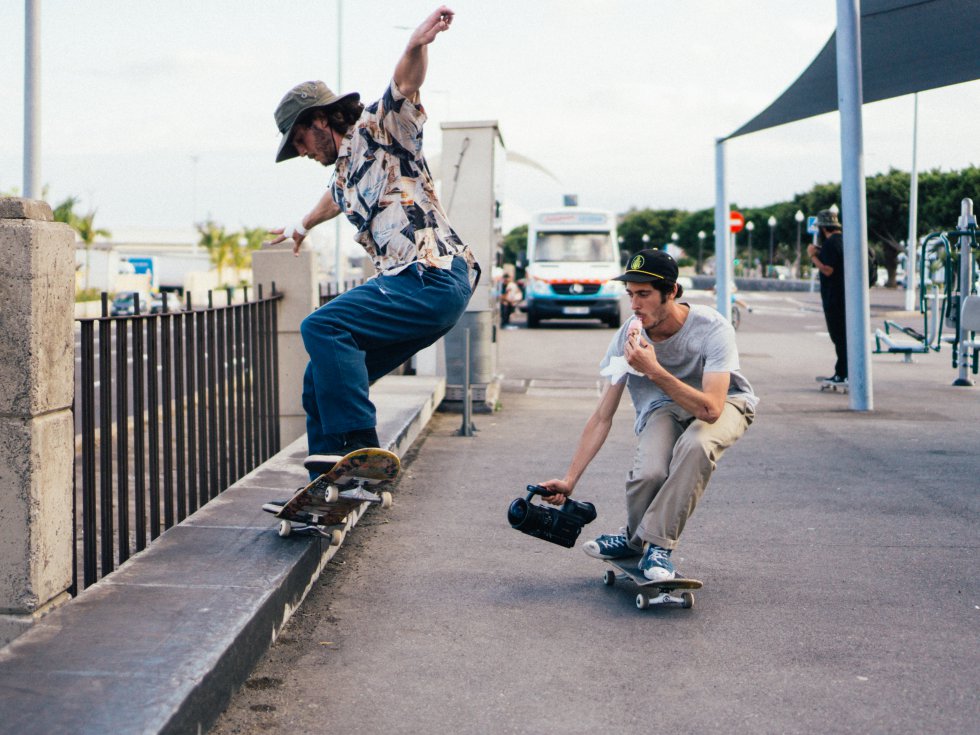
x: 736, y: 221
x: 811, y: 225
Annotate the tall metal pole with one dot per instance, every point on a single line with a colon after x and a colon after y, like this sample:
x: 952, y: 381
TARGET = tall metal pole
x: 723, y: 254
x: 32, y: 98
x: 850, y: 97
x: 913, y: 241
x: 340, y: 81
x: 968, y: 220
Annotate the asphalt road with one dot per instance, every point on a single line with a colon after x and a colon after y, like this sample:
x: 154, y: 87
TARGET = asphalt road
x: 839, y: 553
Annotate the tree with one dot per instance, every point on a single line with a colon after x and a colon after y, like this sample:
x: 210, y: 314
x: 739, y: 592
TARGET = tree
x: 657, y: 224
x: 219, y: 244
x: 248, y: 241
x: 515, y: 243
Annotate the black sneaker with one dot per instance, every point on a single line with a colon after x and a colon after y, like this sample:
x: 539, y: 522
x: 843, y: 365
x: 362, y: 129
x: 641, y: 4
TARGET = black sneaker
x: 361, y: 439
x: 318, y: 464
x: 837, y: 380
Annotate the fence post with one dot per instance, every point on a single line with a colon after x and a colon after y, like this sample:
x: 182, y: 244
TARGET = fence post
x: 37, y: 449
x: 296, y: 280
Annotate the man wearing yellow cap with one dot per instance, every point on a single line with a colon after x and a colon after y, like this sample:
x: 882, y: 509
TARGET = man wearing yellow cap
x: 382, y: 184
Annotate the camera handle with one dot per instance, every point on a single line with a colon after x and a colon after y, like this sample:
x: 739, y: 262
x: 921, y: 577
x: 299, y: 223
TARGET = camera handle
x: 533, y: 490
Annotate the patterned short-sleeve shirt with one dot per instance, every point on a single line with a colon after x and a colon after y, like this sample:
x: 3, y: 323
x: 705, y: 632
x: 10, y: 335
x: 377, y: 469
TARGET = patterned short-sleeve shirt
x: 382, y: 183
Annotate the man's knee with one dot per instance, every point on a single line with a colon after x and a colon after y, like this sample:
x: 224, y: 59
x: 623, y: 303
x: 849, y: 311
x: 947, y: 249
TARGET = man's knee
x: 694, y: 449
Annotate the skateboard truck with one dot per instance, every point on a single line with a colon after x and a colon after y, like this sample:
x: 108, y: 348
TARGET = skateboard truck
x: 557, y: 525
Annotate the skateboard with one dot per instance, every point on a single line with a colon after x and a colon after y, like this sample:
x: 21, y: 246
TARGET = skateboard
x: 323, y: 507
x: 829, y: 385
x: 628, y: 570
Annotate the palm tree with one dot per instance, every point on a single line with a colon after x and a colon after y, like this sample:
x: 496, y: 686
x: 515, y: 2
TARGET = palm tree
x: 249, y: 241
x: 219, y: 244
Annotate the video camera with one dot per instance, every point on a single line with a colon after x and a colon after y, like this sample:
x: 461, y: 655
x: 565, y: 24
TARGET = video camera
x: 558, y: 525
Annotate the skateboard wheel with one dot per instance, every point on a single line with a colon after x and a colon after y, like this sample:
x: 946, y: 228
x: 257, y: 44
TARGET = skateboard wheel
x: 688, y: 600
x: 642, y: 601
x: 609, y: 578
x: 285, y: 528
x: 336, y: 537
x: 331, y: 494
x: 386, y: 499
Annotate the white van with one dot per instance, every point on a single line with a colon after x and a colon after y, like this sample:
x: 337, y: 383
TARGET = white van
x: 572, y: 255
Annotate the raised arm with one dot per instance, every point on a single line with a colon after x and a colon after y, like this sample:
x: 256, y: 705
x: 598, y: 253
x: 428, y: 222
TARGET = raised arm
x: 411, y: 67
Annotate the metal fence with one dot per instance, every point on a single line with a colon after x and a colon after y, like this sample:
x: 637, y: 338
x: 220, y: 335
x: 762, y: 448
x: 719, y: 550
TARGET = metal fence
x: 331, y: 291
x: 171, y: 408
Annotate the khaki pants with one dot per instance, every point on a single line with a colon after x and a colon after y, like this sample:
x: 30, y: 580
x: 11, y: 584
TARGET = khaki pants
x: 674, y: 460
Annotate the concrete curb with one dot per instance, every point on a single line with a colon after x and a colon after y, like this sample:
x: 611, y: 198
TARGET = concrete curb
x: 160, y: 645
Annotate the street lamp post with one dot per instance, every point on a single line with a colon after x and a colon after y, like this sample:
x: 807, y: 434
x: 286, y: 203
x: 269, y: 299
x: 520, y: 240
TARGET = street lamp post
x: 646, y: 240
x: 701, y: 236
x: 772, y: 241
x: 674, y: 237
x: 799, y: 222
x: 749, y: 226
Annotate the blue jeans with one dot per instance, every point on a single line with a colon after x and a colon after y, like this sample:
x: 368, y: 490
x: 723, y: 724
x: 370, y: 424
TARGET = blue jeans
x: 363, y: 335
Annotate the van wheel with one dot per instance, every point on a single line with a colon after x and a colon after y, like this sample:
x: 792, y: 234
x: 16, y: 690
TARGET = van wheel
x: 533, y: 320
x: 614, y: 322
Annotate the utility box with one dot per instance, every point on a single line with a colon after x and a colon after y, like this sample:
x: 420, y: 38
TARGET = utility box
x: 473, y: 157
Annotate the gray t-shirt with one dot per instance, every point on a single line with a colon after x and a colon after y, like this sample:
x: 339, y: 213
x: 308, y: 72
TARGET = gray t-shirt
x: 704, y: 344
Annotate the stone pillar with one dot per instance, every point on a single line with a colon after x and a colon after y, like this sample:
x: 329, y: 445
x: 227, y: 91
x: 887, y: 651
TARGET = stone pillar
x: 37, y: 447
x: 296, y: 279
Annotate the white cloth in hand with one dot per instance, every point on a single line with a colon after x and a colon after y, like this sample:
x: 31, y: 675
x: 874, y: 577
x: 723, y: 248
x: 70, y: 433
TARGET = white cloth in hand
x: 617, y: 369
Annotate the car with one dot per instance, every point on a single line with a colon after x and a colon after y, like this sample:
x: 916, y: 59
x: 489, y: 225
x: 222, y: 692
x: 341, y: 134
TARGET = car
x: 125, y: 303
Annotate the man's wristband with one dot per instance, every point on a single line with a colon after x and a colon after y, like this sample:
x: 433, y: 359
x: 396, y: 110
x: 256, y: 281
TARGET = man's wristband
x: 296, y: 229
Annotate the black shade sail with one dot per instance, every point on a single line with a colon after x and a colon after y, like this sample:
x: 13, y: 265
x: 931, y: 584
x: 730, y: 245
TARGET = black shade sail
x: 906, y: 46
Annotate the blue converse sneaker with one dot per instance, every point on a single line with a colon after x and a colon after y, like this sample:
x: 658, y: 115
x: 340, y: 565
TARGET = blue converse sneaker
x: 656, y: 565
x: 609, y: 546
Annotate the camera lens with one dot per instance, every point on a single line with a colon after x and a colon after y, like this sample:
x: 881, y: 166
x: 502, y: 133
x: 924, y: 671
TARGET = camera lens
x: 517, y: 512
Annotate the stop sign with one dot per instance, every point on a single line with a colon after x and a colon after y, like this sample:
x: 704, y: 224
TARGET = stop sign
x: 736, y: 221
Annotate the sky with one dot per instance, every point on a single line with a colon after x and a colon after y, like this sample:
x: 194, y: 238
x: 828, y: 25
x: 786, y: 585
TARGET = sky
x: 160, y: 114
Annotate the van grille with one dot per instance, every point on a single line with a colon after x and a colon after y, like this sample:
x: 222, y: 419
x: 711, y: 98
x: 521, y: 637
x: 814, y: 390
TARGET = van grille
x: 576, y: 289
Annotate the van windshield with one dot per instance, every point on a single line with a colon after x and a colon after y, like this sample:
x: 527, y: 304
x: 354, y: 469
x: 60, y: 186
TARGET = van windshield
x: 580, y: 247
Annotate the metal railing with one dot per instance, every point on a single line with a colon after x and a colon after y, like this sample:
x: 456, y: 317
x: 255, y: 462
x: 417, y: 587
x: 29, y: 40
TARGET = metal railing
x: 331, y: 291
x: 171, y: 408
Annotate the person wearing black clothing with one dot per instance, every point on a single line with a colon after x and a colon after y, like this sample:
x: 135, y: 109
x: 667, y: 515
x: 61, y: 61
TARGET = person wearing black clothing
x: 827, y: 257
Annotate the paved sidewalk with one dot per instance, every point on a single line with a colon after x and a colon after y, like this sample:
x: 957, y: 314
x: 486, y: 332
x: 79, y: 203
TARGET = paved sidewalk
x: 839, y: 553
x: 160, y: 645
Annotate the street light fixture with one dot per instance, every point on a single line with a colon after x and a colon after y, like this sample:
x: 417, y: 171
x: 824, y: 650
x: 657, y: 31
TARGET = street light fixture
x: 674, y: 237
x: 749, y: 226
x: 645, y: 239
x: 799, y: 216
x: 701, y: 236
x: 772, y: 240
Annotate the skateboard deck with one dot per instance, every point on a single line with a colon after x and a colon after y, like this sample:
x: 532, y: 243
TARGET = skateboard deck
x: 829, y: 385
x: 627, y: 568
x: 330, y: 498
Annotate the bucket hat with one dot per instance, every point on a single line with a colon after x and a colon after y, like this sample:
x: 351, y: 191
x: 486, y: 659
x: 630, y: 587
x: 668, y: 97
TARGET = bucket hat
x: 298, y: 100
x: 827, y: 218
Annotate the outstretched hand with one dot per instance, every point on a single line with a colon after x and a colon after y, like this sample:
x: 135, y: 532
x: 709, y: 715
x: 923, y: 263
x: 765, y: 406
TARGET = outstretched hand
x: 436, y: 23
x: 286, y: 233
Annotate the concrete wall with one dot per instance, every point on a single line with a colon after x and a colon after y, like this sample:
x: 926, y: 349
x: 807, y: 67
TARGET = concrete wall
x: 296, y: 278
x: 37, y: 277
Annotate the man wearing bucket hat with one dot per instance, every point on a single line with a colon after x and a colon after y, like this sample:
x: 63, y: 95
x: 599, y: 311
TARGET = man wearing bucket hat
x: 382, y: 184
x: 680, y: 364
x: 827, y: 257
